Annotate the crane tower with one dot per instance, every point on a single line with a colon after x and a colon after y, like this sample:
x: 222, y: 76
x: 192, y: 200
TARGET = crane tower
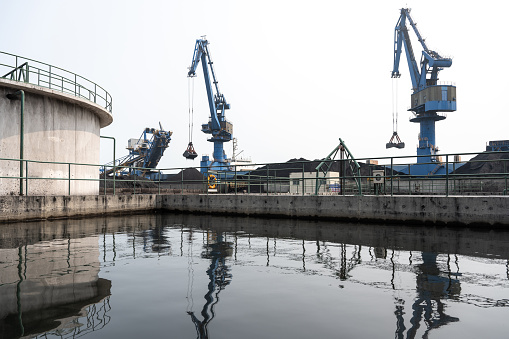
x: 429, y: 97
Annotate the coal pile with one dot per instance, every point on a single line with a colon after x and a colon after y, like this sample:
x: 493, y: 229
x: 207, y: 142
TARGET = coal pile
x: 127, y: 181
x: 486, y: 163
x: 298, y: 165
x: 281, y: 171
x: 188, y: 175
x: 486, y: 172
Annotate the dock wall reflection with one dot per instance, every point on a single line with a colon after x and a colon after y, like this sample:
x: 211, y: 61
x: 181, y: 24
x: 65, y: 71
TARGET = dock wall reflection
x: 465, y: 241
x: 48, y: 277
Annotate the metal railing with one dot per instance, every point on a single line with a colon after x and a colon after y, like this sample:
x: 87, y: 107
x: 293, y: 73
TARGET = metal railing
x: 17, y: 68
x: 487, y: 176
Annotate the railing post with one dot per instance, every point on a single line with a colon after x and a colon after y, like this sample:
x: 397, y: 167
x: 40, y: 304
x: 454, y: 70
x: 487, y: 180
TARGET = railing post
x: 392, y: 180
x: 26, y: 176
x: 235, y: 179
x: 409, y: 183
x: 267, y: 179
x: 249, y: 182
x: 505, y: 176
x: 69, y: 178
x: 303, y: 181
x: 447, y: 175
x: 316, y: 183
x: 14, y: 96
x: 104, y: 179
x: 159, y: 184
x: 114, y: 164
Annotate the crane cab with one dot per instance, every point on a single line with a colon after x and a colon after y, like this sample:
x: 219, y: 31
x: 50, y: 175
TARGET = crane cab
x: 437, y: 98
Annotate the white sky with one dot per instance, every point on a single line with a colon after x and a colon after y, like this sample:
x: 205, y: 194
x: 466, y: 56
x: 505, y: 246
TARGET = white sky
x: 298, y: 74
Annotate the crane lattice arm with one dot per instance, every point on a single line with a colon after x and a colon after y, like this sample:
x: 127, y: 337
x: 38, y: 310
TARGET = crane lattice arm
x: 431, y: 61
x: 217, y: 102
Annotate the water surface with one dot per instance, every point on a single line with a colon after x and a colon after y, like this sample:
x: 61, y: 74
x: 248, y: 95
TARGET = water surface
x: 183, y: 276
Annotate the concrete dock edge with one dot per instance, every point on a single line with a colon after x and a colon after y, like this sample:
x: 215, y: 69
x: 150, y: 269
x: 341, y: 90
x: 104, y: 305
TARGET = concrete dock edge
x: 432, y: 210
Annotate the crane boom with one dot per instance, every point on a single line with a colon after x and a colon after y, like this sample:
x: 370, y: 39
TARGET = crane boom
x: 431, y: 61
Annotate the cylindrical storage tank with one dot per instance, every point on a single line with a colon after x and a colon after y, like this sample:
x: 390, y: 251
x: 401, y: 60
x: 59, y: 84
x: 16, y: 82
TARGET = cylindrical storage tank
x: 57, y: 127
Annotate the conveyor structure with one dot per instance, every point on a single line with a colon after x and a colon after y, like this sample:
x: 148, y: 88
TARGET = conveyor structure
x: 144, y: 153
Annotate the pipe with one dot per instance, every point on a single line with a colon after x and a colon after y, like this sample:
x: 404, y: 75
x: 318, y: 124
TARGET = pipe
x: 14, y: 96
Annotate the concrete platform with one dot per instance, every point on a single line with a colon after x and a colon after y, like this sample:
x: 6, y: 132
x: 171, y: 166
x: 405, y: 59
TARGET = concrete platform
x: 477, y: 211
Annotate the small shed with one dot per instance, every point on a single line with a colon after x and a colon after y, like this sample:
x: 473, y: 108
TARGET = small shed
x: 306, y: 182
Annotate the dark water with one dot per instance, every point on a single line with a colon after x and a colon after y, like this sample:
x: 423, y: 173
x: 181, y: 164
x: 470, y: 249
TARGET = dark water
x: 182, y: 276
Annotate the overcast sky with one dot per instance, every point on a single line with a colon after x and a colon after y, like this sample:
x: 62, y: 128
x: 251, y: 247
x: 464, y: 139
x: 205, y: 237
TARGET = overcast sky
x: 297, y: 74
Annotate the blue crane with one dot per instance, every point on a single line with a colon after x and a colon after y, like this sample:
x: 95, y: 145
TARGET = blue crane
x: 220, y: 129
x: 144, y: 153
x: 428, y: 96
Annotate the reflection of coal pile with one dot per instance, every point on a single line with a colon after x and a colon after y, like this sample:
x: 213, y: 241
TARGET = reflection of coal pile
x: 487, y: 165
x: 283, y: 170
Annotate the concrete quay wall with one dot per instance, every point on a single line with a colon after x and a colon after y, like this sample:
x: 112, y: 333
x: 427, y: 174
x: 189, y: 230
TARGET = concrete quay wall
x: 423, y: 210
x: 16, y: 208
x: 461, y: 210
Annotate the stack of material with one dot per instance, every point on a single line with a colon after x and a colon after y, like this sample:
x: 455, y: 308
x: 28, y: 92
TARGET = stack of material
x: 485, y: 163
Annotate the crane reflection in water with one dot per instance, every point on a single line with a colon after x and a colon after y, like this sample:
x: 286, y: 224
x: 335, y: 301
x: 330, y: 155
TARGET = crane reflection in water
x: 433, y: 285
x: 431, y: 288
x: 216, y: 249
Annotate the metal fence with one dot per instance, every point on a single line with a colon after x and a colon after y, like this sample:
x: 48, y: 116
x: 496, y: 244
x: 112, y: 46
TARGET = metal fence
x: 17, y: 68
x: 488, y: 175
